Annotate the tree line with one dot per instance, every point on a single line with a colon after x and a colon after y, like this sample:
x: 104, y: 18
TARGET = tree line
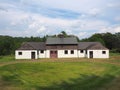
x: 111, y: 41
x: 9, y: 44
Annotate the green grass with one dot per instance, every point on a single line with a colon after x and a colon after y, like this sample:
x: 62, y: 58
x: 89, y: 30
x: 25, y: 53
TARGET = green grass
x: 114, y: 54
x: 62, y: 75
x: 57, y: 76
x: 7, y: 58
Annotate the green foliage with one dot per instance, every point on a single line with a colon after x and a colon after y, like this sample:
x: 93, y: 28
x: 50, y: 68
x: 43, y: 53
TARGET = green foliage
x: 8, y: 44
x: 64, y: 33
x: 111, y: 41
x: 98, y: 38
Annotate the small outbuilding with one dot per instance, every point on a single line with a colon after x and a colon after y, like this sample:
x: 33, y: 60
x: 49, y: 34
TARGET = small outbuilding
x: 93, y: 50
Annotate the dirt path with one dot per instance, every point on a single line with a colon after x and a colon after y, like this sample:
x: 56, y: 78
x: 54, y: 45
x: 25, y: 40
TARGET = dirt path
x: 60, y: 60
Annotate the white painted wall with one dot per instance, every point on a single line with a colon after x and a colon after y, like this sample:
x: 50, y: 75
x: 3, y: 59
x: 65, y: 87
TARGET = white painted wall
x: 47, y: 53
x: 42, y: 55
x: 98, y: 54
x: 26, y: 54
x: 81, y: 55
x: 61, y: 54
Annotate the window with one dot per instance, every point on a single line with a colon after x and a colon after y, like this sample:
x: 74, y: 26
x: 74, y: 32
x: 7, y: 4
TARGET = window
x: 72, y: 51
x: 81, y: 51
x: 42, y: 51
x: 19, y: 53
x: 66, y: 52
x: 103, y: 52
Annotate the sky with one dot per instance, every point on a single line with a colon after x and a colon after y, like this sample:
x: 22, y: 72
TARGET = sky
x: 24, y: 18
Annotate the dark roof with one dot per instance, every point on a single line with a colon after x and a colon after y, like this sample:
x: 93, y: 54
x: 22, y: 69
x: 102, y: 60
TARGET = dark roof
x: 32, y: 46
x: 97, y: 47
x: 57, y: 40
x: 63, y: 41
x: 90, y: 45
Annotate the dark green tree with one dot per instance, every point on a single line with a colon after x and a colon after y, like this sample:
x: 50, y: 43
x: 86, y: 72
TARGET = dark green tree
x: 64, y: 33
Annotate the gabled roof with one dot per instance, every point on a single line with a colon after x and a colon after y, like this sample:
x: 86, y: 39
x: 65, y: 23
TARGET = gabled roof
x: 97, y: 47
x: 57, y: 40
x: 91, y: 46
x: 32, y: 46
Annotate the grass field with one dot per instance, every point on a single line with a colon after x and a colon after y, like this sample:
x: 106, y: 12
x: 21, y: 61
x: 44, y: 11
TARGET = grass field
x: 91, y: 74
x: 7, y: 58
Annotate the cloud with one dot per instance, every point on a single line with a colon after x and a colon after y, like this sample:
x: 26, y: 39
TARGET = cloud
x: 32, y: 24
x: 94, y: 11
x: 116, y: 29
x: 112, y: 29
x: 41, y: 17
x: 114, y: 5
x: 3, y: 9
x: 117, y: 18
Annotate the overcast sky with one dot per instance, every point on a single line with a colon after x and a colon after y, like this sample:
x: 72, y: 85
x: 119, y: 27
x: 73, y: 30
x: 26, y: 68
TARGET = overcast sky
x: 41, y: 17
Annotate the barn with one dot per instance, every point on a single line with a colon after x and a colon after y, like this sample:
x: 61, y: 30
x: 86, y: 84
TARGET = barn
x: 61, y: 47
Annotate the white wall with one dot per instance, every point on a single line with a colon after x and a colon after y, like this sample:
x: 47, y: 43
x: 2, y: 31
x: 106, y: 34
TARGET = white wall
x: 42, y: 55
x: 81, y: 54
x: 26, y: 54
x: 98, y: 54
x: 61, y: 54
x: 47, y: 53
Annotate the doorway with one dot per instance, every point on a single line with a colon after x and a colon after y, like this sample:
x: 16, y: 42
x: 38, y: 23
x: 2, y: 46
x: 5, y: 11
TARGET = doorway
x: 32, y: 55
x: 91, y: 54
x: 53, y: 54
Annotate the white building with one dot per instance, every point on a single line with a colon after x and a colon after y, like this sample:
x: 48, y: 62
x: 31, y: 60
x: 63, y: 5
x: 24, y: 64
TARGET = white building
x: 60, y: 47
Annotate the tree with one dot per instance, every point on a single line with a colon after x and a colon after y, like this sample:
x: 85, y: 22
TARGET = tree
x: 6, y: 45
x: 98, y: 38
x: 109, y: 40
x: 95, y: 38
x: 64, y: 33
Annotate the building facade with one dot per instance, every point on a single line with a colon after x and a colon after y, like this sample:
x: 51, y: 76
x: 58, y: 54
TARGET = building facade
x: 60, y: 47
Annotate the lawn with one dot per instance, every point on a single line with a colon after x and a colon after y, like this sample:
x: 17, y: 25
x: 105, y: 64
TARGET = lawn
x: 7, y: 58
x: 83, y: 75
x: 58, y: 76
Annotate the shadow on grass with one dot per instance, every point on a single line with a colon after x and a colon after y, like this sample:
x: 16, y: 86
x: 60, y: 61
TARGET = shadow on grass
x: 85, y: 82
x: 9, y: 79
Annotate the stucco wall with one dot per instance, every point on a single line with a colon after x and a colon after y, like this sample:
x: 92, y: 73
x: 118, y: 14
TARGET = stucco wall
x: 26, y: 54
x: 47, y: 53
x: 98, y: 54
x: 42, y: 55
x: 81, y: 54
x: 61, y: 54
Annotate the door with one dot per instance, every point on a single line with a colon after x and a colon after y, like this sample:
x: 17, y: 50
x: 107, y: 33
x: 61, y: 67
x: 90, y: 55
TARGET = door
x: 53, y: 54
x: 32, y: 55
x: 91, y: 54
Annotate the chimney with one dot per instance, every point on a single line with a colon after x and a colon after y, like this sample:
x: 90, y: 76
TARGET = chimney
x: 60, y: 35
